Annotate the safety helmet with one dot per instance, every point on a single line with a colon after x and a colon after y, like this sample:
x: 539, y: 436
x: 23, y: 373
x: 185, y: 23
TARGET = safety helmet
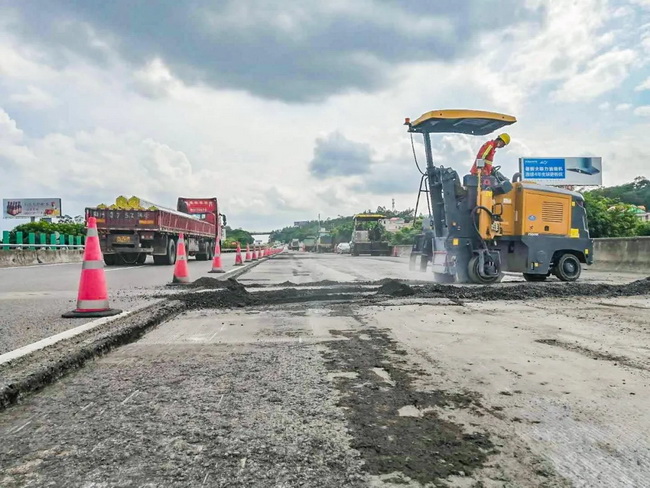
x: 505, y: 138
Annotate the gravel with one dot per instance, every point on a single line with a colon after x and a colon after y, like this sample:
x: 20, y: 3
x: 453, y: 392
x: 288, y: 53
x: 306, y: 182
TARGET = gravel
x: 210, y: 415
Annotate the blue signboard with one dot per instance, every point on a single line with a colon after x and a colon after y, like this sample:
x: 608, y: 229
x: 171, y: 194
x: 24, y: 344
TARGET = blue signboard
x: 543, y: 169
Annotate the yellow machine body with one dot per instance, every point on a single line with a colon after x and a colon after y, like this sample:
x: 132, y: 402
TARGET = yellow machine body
x: 531, y: 209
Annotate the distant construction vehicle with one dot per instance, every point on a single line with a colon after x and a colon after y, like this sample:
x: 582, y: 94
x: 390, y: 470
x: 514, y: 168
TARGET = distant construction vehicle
x: 488, y: 224
x: 324, y: 243
x: 309, y: 243
x: 294, y: 245
x: 369, y: 236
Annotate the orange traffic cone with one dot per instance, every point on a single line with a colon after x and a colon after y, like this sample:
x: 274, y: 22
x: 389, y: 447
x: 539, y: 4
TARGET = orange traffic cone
x: 216, y: 262
x: 395, y: 253
x: 92, y: 298
x: 248, y: 256
x: 254, y: 253
x: 181, y: 270
x: 238, y: 259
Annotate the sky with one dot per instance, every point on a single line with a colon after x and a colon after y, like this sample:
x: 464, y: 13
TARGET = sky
x: 286, y: 110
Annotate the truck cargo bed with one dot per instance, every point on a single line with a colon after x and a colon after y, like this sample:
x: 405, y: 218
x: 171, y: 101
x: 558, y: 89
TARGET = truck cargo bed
x: 160, y: 220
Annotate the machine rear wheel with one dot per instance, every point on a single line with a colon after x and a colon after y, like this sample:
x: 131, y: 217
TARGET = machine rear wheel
x: 142, y: 257
x: 109, y: 259
x: 475, y: 277
x: 424, y: 261
x: 535, y: 277
x: 568, y: 268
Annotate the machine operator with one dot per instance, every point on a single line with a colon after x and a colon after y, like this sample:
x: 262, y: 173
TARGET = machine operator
x: 487, y: 153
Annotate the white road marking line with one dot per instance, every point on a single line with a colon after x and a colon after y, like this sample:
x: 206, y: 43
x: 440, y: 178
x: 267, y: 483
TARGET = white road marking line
x: 206, y: 478
x: 121, y: 269
x: 220, y: 400
x: 48, y: 341
x: 130, y: 396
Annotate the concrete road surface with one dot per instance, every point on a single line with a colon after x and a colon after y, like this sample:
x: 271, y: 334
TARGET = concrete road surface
x: 336, y: 385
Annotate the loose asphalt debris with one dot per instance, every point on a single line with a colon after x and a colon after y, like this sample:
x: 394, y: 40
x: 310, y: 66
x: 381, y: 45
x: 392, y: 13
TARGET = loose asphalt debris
x: 232, y: 294
x: 420, y: 445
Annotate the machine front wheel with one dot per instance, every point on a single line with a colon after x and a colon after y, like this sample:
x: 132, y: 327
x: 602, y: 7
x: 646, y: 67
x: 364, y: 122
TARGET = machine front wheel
x: 568, y: 268
x: 475, y: 276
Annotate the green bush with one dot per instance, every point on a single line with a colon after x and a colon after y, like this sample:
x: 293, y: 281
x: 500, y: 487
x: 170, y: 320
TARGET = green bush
x: 47, y: 228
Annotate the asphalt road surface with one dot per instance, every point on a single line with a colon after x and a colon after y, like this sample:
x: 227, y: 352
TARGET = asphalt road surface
x: 353, y: 382
x: 32, y: 298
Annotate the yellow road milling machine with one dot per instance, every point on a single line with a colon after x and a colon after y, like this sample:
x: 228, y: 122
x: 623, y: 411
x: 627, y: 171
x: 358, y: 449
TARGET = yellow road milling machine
x: 487, y: 225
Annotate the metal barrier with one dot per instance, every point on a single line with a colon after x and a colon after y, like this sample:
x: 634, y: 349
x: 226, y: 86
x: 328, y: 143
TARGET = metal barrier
x: 56, y: 242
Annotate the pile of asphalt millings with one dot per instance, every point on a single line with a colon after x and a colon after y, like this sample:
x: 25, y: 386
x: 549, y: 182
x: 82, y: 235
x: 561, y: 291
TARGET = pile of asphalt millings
x: 395, y: 288
x: 232, y: 294
x: 516, y: 291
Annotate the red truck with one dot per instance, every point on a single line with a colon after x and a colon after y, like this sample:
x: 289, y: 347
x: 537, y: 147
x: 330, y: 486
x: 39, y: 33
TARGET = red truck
x: 129, y: 236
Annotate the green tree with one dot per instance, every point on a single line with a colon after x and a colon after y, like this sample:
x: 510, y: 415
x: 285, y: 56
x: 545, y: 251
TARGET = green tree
x: 635, y: 193
x: 609, y: 217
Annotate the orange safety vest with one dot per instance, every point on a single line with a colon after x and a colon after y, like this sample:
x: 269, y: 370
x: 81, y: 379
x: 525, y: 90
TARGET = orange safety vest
x: 486, y: 152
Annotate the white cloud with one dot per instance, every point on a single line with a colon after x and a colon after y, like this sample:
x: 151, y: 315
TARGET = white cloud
x: 645, y: 85
x: 34, y: 98
x: 602, y: 74
x: 642, y: 111
x: 147, y: 133
x: 155, y: 80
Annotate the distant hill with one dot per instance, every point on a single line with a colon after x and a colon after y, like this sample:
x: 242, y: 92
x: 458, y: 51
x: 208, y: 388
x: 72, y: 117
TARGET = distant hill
x: 635, y: 193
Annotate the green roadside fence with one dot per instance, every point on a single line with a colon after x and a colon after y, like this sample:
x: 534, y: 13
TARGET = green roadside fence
x: 29, y: 242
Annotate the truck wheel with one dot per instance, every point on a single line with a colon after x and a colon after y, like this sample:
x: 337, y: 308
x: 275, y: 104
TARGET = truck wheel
x: 535, y: 277
x: 170, y: 257
x: 354, y: 251
x: 202, y: 257
x: 475, y: 277
x: 568, y: 268
x: 142, y: 257
x: 109, y: 259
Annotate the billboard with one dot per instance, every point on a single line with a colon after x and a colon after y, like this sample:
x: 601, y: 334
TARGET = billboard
x: 25, y: 208
x: 301, y: 223
x: 562, y: 171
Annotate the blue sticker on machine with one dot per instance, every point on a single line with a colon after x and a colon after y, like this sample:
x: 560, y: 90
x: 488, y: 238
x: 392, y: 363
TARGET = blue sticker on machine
x: 548, y: 168
x: 532, y: 217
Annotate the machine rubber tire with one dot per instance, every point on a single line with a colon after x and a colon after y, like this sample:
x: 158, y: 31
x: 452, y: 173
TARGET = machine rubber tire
x: 568, y: 268
x: 353, y: 251
x: 424, y: 261
x: 475, y: 277
x: 535, y: 278
x: 109, y: 259
x: 142, y: 257
x: 202, y: 257
x: 444, y: 278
